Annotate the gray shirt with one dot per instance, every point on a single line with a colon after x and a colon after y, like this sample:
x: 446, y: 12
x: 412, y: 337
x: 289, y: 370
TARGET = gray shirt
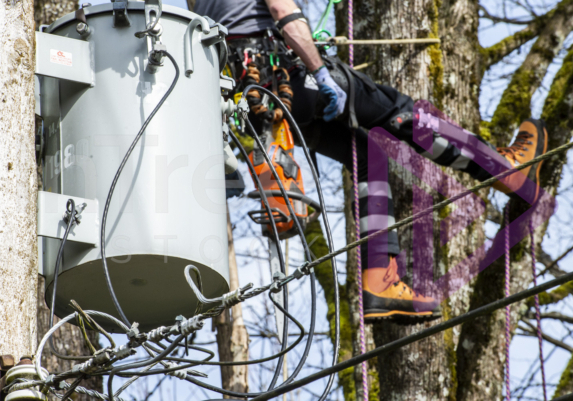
x: 241, y: 17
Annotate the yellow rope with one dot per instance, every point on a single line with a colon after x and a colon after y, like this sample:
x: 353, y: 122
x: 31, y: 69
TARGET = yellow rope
x: 343, y: 40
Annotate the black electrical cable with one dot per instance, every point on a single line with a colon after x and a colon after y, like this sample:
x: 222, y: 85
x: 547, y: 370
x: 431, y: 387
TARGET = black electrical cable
x: 254, y: 361
x: 306, y: 249
x: 245, y: 395
x: 306, y: 351
x: 71, y: 216
x: 116, y: 179
x: 296, y: 128
x: 194, y: 363
x: 267, y: 206
x: 147, y: 362
x: 177, y: 359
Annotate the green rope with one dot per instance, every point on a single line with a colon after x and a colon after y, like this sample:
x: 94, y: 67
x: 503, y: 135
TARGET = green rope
x: 321, y: 25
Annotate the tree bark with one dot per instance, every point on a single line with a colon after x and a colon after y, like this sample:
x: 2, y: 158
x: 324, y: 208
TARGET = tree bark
x: 352, y: 290
x: 18, y: 187
x: 47, y: 11
x: 439, y: 73
x: 232, y: 336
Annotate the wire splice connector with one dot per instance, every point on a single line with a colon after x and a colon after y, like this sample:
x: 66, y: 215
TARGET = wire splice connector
x: 157, y: 334
x: 191, y: 325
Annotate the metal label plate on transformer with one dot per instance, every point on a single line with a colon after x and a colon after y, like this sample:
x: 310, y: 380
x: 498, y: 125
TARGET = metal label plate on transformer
x: 64, y: 58
x: 51, y: 210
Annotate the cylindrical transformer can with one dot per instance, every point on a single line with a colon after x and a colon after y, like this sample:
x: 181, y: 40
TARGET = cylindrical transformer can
x: 168, y: 209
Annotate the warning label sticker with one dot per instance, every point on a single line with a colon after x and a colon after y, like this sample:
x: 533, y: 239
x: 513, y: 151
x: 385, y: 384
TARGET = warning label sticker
x: 60, y: 57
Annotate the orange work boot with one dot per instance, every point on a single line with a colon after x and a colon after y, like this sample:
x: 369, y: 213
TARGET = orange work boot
x: 385, y: 296
x: 531, y: 142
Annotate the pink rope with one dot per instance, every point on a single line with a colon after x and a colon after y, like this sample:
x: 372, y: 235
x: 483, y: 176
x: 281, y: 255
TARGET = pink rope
x: 507, y: 308
x: 537, y: 312
x: 359, y: 267
x: 357, y: 216
x: 351, y: 32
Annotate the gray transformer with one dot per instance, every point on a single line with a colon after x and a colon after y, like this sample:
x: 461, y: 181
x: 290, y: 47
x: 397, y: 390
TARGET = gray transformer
x: 168, y: 209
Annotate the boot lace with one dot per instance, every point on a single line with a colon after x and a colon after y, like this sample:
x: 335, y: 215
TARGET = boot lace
x: 405, y: 287
x: 518, y: 147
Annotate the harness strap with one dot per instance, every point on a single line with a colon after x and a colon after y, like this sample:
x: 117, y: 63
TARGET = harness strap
x: 296, y: 15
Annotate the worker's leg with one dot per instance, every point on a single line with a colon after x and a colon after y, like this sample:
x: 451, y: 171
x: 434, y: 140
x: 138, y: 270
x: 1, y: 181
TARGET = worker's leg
x: 472, y: 155
x: 379, y: 106
x: 385, y: 294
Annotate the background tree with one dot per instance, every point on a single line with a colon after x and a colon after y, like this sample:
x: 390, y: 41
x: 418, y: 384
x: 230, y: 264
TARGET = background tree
x: 466, y: 364
x: 18, y: 188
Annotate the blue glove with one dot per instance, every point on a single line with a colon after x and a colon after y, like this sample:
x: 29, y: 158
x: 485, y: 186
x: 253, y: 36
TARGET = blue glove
x: 334, y: 95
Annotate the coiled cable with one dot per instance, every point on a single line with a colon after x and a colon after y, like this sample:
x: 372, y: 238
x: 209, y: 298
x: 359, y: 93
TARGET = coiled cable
x: 296, y: 128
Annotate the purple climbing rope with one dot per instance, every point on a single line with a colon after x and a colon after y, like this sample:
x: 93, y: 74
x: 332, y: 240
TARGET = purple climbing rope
x: 351, y: 32
x: 507, y: 308
x: 357, y: 216
x: 537, y: 312
x: 359, y: 267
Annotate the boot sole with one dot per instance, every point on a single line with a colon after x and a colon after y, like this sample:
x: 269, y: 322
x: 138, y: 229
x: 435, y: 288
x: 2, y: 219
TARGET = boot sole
x: 538, y: 167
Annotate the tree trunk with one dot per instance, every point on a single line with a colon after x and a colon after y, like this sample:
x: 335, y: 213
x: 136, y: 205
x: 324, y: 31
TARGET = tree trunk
x: 18, y: 187
x: 232, y: 336
x: 47, y: 11
x: 439, y: 73
x: 352, y: 290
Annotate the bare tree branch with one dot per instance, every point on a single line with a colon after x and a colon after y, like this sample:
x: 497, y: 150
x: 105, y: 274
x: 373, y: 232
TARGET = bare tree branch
x: 531, y: 332
x: 495, y: 53
x: 553, y: 268
x: 496, y: 19
x: 557, y: 316
x: 514, y: 105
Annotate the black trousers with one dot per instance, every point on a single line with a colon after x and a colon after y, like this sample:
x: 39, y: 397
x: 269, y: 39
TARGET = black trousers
x: 375, y: 105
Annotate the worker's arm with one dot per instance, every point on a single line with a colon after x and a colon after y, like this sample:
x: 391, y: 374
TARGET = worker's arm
x: 298, y: 36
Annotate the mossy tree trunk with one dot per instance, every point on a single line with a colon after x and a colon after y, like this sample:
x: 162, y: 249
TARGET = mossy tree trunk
x: 425, y: 370
x: 466, y: 363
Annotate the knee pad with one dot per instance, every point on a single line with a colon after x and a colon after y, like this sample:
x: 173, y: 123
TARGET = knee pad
x: 401, y: 125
